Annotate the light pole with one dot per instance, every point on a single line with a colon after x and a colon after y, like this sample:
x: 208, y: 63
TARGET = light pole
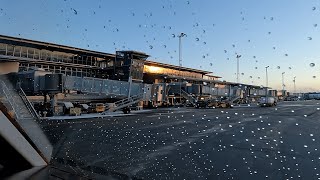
x: 238, y: 57
x: 267, y: 81
x: 283, y: 84
x: 180, y: 60
x: 294, y: 84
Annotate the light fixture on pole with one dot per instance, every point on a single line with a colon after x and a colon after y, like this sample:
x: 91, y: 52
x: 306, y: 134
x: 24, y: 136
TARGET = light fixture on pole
x: 238, y: 57
x: 180, y: 60
x: 294, y: 84
x: 267, y: 81
x: 283, y: 83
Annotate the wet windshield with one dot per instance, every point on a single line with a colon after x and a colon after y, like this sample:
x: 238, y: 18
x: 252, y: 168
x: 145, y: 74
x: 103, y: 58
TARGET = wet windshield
x: 166, y: 89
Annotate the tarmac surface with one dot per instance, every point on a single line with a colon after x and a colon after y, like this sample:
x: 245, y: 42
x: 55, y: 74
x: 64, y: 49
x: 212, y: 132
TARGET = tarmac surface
x: 246, y: 142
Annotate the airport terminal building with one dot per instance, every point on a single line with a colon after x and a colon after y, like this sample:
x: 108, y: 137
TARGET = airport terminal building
x: 52, y: 69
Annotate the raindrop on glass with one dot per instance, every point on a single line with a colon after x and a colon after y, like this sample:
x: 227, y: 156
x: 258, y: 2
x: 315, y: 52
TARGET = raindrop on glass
x: 75, y: 11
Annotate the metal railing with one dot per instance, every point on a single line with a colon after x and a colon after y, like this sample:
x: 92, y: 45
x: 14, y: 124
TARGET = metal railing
x: 12, y: 102
x: 125, y: 103
x: 28, y: 103
x: 189, y: 97
x: 234, y: 98
x: 9, y: 98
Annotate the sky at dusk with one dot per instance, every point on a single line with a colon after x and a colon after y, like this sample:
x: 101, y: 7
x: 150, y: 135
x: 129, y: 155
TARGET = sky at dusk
x: 282, y: 34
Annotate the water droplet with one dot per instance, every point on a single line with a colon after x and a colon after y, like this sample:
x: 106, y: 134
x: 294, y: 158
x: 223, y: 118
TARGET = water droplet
x: 309, y: 38
x: 197, y: 39
x: 278, y: 67
x: 151, y: 47
x: 75, y: 11
x: 311, y: 134
x: 312, y: 64
x: 305, y: 146
x: 314, y: 77
x: 314, y: 8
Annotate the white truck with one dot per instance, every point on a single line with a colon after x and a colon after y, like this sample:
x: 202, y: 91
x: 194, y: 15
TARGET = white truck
x: 267, y: 101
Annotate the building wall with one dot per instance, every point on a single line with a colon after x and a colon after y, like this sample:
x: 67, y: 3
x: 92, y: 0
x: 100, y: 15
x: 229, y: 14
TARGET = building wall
x: 8, y: 67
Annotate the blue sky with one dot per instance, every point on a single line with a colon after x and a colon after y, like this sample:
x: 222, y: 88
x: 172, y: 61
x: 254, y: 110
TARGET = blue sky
x: 275, y: 33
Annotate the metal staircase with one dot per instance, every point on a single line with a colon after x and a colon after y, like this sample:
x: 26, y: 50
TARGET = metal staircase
x: 28, y: 103
x: 234, y: 98
x: 124, y: 103
x: 24, y: 115
x: 189, y: 97
x: 18, y: 102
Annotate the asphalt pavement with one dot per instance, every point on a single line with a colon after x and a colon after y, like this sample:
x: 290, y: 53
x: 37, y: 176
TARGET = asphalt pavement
x: 245, y: 142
